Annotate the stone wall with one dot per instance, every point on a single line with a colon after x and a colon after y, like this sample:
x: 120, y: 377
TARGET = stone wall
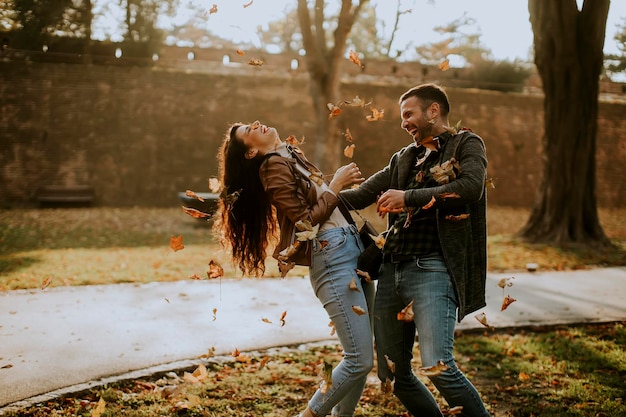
x: 138, y: 135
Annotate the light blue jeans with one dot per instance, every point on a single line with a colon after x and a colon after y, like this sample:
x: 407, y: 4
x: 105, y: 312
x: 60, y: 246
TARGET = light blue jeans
x: 335, y: 252
x: 425, y: 281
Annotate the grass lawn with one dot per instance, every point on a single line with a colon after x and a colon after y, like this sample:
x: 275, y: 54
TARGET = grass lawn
x: 555, y: 371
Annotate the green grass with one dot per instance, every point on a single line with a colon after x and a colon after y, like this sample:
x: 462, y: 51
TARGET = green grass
x: 549, y: 372
x: 112, y: 245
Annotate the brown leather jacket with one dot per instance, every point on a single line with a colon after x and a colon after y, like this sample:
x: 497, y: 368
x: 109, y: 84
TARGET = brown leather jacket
x: 295, y: 198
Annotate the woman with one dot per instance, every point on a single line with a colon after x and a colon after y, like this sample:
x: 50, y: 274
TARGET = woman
x: 270, y: 187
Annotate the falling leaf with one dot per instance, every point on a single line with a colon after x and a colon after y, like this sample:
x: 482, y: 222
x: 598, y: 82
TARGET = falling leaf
x: 505, y: 282
x: 523, y: 376
x: 291, y: 140
x: 326, y: 372
x: 46, y: 282
x: 245, y: 6
x: 176, y: 243
x: 390, y: 364
x: 348, y: 136
x: 508, y: 300
x: 332, y: 328
x: 240, y: 52
x: 230, y: 198
x: 348, y: 152
x: 430, y: 143
x: 289, y: 251
x: 364, y: 274
x: 356, y: 102
x: 482, y: 319
x: 379, y: 240
x: 266, y: 320
x: 354, y: 58
x: 358, y: 310
x: 213, y: 9
x: 255, y: 62
x: 444, y: 65
x: 407, y: 314
x: 210, y: 353
x: 430, y: 203
x: 456, y: 218
x: 285, y: 267
x: 195, y: 276
x: 334, y: 110
x: 214, y: 185
x: 317, y: 178
x: 434, y: 370
x: 167, y: 300
x: 215, y: 270
x: 445, y: 196
x: 307, y: 232
x: 409, y: 218
x: 100, y: 407
x: 196, y: 214
x: 446, y: 172
x: 419, y: 177
x: 490, y: 183
x: 214, y: 313
x: 235, y: 353
x: 387, y: 386
x: 376, y: 115
x: 353, y: 285
x: 192, y: 194
x: 282, y: 318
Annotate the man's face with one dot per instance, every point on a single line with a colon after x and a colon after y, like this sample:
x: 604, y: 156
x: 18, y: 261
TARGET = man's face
x: 414, y: 120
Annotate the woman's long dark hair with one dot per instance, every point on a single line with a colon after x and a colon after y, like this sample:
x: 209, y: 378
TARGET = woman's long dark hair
x: 246, y: 225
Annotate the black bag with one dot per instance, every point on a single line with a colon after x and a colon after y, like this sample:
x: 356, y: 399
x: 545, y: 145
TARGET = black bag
x: 372, y: 257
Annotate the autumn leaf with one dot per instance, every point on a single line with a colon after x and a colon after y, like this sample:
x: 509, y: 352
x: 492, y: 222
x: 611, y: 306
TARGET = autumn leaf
x: 353, y: 285
x: 348, y: 152
x: 434, y: 370
x: 364, y: 274
x: 210, y: 353
x: 282, y: 318
x: 332, y: 328
x: 430, y: 143
x: 240, y: 52
x: 100, y: 407
x: 291, y: 140
x: 387, y: 386
x: 284, y: 267
x: 245, y: 6
x: 407, y: 314
x: 192, y: 194
x: 446, y: 172
x: 444, y: 65
x: 454, y: 411
x: 379, y: 240
x: 197, y: 376
x: 317, y: 178
x: 214, y: 185
x: 390, y: 364
x: 376, y: 115
x: 195, y: 276
x: 213, y: 9
x: 289, y: 251
x: 354, y: 58
x: 358, y: 310
x: 215, y: 270
x: 456, y: 218
x: 348, y: 136
x: 430, y: 203
x: 326, y: 372
x: 307, y: 232
x: 445, y: 196
x: 235, y: 353
x: 46, y: 282
x: 255, y: 62
x: 266, y: 320
x: 505, y: 282
x: 482, y: 319
x: 508, y: 300
x: 176, y: 243
x: 214, y: 313
x: 230, y: 199
x: 334, y: 110
x: 196, y: 214
x: 523, y: 376
x: 356, y: 102
x: 490, y: 183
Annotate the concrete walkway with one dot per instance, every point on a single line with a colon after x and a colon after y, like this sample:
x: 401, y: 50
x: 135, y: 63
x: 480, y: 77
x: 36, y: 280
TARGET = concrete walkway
x: 61, y: 340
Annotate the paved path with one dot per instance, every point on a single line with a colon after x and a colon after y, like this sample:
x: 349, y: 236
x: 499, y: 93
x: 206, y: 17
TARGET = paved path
x: 59, y: 339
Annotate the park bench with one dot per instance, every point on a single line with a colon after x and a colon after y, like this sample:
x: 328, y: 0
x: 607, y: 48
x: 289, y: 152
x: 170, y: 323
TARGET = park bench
x: 65, y: 195
x: 209, y: 205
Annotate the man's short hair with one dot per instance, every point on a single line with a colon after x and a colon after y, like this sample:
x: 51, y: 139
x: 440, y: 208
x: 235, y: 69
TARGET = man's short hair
x: 428, y: 94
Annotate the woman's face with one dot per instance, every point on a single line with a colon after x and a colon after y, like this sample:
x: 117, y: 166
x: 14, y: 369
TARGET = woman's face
x: 257, y: 136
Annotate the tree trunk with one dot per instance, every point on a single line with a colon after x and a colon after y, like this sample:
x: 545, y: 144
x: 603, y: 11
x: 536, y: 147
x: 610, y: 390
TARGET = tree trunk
x: 568, y: 54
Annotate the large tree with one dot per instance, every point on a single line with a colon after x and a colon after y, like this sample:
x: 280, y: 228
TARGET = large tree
x: 323, y: 60
x: 568, y: 45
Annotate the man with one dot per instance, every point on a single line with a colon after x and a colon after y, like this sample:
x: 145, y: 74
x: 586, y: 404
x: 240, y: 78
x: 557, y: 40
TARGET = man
x: 434, y: 257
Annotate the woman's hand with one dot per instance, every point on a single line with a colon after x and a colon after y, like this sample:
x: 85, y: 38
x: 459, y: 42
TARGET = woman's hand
x: 345, y: 176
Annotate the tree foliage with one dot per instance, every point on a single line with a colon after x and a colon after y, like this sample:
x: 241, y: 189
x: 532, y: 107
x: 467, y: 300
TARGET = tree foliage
x: 616, y: 63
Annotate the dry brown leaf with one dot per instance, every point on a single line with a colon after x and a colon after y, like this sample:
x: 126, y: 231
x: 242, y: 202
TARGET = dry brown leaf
x: 195, y: 276
x: 192, y: 194
x: 196, y: 214
x: 354, y: 58
x: 430, y: 203
x: 444, y: 65
x: 306, y: 231
x: 434, y: 370
x: 390, y: 364
x: 215, y: 270
x: 490, y: 183
x: 454, y: 411
x: 430, y: 143
x: 505, y: 282
x: 356, y: 102
x: 482, y: 319
x: 407, y: 314
x: 508, y: 300
x: 240, y: 52
x: 332, y: 328
x: 282, y: 318
x: 334, y: 110
x: 291, y: 140
x: 317, y: 177
x: 214, y: 185
x: 387, y: 386
x: 289, y: 251
x: 445, y: 196
x: 348, y: 152
x: 326, y: 372
x: 255, y: 62
x: 245, y: 6
x: 213, y: 9
x: 284, y: 267
x: 376, y: 115
x: 46, y: 282
x: 457, y: 218
x: 353, y: 285
x: 266, y: 320
x: 214, y: 313
x: 176, y: 243
x: 348, y: 136
x: 100, y: 407
x: 358, y: 310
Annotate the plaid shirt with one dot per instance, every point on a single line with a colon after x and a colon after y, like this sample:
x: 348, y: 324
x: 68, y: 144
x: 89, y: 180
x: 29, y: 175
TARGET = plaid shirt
x: 419, y: 235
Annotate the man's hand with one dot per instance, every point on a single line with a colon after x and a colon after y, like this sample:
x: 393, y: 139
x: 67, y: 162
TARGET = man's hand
x: 391, y: 201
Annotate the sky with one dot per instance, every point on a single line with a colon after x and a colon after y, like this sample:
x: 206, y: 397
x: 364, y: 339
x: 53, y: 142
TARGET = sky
x: 504, y: 24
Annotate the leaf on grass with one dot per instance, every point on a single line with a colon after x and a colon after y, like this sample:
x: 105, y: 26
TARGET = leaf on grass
x: 353, y: 285
x: 444, y: 65
x: 523, y: 376
x: 196, y: 214
x: 46, y: 282
x: 457, y: 218
x: 235, y: 353
x: 215, y: 270
x: 354, y: 58
x: 176, y: 243
x: 390, y: 364
x: 210, y: 353
x: 334, y: 110
x: 407, y: 314
x: 100, y: 407
x: 348, y: 152
x: 376, y: 115
x: 284, y: 267
x: 434, y: 370
x: 387, y: 386
x: 508, y: 300
x: 197, y: 376
x: 364, y: 274
x: 358, y: 310
x: 282, y: 318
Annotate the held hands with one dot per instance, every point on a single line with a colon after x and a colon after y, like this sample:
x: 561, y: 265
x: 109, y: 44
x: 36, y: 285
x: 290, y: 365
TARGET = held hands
x: 345, y: 176
x: 391, y: 201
